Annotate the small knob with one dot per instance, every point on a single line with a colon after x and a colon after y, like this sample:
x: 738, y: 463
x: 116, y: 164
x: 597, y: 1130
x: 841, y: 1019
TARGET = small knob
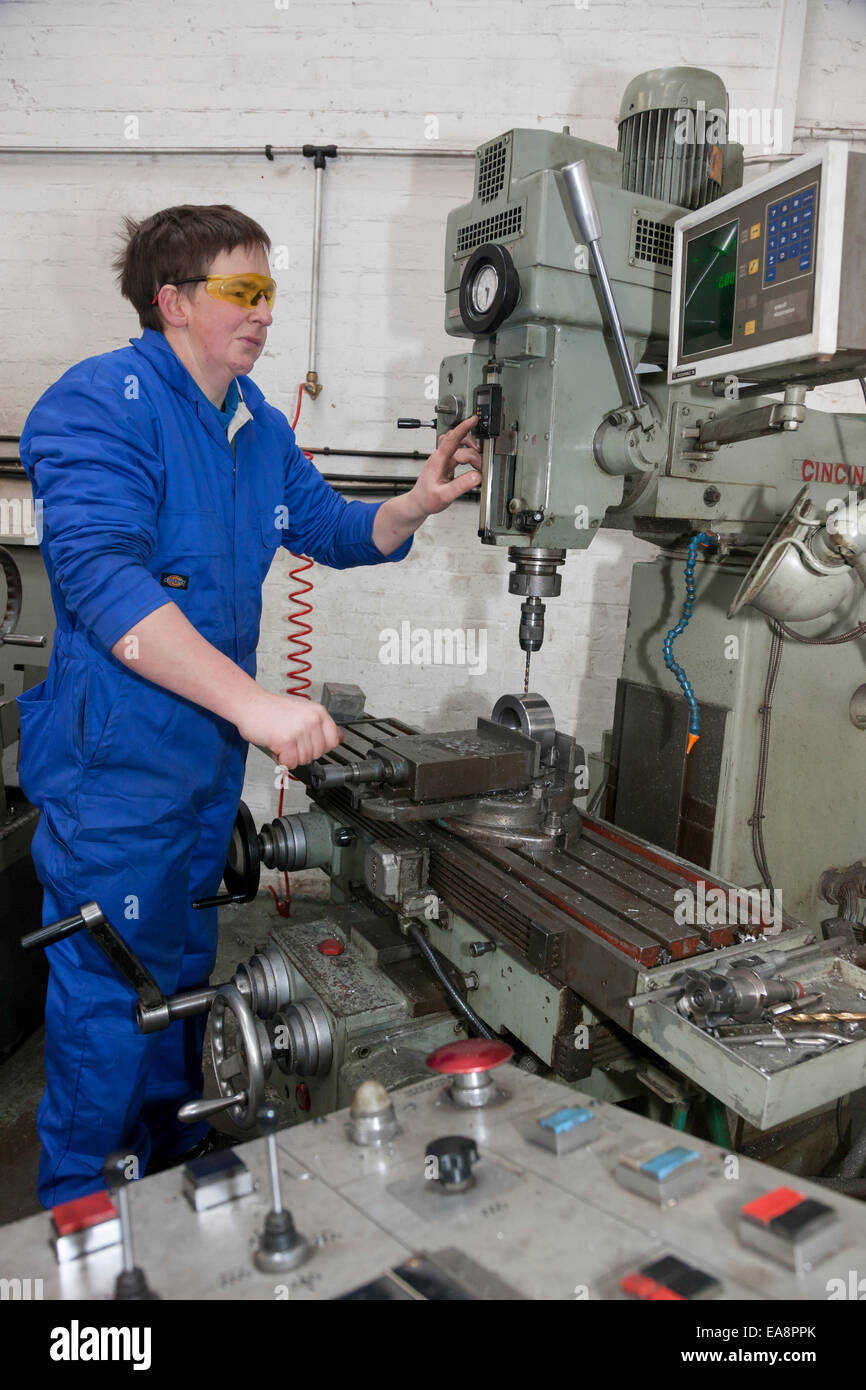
x: 449, y: 1162
x: 372, y: 1119
x: 267, y: 1119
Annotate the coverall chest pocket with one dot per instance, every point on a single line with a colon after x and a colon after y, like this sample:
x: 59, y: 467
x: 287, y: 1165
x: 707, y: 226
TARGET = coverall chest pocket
x: 194, y: 563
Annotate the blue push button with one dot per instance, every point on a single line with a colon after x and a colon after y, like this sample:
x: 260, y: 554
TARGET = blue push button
x: 772, y: 243
x: 771, y: 275
x: 795, y: 235
x: 795, y: 202
x: 771, y: 259
x: 809, y: 196
x: 783, y: 240
x: 772, y: 228
x: 782, y: 256
x: 561, y: 1121
x: 774, y: 210
x: 565, y: 1130
x: 784, y: 208
x: 795, y: 219
x: 669, y: 1162
x: 805, y: 262
x: 807, y: 213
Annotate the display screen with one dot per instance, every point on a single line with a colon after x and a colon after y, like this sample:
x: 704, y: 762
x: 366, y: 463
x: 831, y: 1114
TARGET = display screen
x: 710, y: 290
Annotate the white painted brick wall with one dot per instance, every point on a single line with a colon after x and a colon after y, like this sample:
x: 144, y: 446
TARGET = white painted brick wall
x: 360, y: 74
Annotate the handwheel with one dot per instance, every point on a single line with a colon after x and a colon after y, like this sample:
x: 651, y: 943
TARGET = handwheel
x: 238, y: 1062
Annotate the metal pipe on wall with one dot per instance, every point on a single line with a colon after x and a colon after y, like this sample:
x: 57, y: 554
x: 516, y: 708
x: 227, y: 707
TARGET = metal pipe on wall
x: 314, y: 287
x: 268, y: 152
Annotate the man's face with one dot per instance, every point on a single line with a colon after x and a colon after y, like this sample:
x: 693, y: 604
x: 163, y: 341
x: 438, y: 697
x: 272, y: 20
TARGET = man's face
x: 227, y: 339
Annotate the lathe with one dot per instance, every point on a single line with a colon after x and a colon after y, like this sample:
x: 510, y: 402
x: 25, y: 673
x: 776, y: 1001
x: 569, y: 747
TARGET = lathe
x: 641, y: 332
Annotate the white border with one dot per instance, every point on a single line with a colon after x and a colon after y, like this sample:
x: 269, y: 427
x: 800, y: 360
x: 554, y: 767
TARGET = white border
x: 832, y: 159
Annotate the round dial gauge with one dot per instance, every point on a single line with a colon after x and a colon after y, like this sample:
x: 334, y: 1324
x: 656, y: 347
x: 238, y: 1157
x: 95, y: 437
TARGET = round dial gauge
x: 489, y: 289
x: 484, y: 287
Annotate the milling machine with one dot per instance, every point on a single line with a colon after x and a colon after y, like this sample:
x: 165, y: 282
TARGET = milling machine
x: 643, y: 331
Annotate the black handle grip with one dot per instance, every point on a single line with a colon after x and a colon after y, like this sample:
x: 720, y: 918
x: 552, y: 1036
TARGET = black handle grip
x: 55, y: 931
x: 220, y: 900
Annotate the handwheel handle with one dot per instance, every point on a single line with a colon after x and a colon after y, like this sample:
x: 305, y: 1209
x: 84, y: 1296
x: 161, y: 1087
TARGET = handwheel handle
x: 195, y: 1110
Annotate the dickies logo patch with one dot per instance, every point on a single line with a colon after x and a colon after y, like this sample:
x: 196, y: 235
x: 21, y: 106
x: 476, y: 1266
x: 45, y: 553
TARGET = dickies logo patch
x: 175, y: 581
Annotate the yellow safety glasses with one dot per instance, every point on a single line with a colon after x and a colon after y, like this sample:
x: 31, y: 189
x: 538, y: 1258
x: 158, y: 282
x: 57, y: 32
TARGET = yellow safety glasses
x: 247, y: 290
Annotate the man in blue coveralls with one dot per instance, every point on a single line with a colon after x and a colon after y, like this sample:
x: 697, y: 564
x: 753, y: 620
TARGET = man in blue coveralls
x: 167, y: 484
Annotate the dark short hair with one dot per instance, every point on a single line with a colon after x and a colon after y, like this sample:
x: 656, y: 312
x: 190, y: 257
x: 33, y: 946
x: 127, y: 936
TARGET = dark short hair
x: 174, y: 244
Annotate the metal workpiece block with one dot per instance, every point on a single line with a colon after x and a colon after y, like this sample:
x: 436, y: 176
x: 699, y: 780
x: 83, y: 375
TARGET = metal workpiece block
x: 463, y: 762
x: 664, y: 1175
x: 343, y: 702
x: 566, y: 1129
x: 215, y: 1178
x: 796, y: 1230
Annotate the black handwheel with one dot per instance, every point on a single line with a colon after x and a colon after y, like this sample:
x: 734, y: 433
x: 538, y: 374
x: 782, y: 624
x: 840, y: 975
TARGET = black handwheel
x: 243, y: 864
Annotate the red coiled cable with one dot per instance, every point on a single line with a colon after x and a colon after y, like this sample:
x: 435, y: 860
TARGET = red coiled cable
x: 298, y: 684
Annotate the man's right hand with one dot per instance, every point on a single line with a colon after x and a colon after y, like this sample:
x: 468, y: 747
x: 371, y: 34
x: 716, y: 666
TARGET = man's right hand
x: 294, y: 730
x: 166, y: 649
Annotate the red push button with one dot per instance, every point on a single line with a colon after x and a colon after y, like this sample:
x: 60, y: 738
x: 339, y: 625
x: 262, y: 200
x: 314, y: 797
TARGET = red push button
x: 765, y: 1209
x: 469, y: 1054
x: 331, y: 946
x: 82, y: 1212
x: 84, y: 1225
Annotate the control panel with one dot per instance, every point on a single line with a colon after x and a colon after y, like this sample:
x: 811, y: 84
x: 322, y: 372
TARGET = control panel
x: 763, y: 277
x: 483, y: 1182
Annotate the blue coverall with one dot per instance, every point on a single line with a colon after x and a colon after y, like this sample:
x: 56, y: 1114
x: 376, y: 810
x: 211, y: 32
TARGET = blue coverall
x: 146, y: 502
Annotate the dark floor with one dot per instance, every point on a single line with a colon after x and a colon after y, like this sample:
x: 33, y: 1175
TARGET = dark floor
x: 22, y: 1076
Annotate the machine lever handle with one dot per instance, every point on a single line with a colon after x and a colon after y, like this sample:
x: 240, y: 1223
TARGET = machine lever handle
x: 581, y: 198
x: 112, y: 945
x: 195, y: 1110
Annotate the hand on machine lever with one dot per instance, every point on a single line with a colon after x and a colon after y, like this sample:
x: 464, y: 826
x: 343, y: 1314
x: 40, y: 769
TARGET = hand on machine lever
x: 292, y: 730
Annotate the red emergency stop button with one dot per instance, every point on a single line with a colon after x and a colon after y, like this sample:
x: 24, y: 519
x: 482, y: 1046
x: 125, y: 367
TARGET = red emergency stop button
x: 469, y: 1054
x: 331, y: 946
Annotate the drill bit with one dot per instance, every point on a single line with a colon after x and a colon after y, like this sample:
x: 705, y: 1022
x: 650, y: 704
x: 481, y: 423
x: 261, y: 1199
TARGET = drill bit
x: 840, y: 1016
x: 526, y: 674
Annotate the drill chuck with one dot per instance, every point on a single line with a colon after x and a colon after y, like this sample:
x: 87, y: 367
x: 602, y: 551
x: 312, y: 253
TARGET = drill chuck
x: 531, y: 634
